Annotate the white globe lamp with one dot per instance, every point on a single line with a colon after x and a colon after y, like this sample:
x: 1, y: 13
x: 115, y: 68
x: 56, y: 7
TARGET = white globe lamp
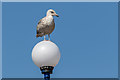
x: 46, y: 56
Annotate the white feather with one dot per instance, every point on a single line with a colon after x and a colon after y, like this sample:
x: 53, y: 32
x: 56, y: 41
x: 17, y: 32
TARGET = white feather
x: 49, y: 20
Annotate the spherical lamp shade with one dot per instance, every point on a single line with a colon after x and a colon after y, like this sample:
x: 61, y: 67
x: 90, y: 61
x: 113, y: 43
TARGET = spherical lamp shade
x: 45, y: 53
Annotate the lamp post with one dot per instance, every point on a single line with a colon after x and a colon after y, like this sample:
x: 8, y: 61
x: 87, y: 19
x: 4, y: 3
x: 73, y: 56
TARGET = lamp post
x: 46, y: 56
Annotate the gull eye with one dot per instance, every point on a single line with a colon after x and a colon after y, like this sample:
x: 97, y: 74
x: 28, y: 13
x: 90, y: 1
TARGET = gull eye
x: 52, y: 12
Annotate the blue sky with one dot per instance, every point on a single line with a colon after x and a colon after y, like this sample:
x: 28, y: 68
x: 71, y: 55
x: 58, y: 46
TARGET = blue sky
x: 86, y: 33
x: 0, y: 40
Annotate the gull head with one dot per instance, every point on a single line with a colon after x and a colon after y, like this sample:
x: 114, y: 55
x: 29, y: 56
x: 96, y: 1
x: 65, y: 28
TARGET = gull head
x: 51, y: 12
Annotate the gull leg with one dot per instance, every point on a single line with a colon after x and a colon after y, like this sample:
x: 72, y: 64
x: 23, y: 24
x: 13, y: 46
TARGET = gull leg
x: 44, y: 38
x: 49, y: 36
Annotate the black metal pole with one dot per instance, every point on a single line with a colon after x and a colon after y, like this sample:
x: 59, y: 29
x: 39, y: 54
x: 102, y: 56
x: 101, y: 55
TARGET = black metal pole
x: 47, y: 76
x: 46, y: 70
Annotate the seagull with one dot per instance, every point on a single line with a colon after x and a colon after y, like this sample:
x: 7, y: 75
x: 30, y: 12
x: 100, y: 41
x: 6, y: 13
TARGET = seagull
x: 46, y: 25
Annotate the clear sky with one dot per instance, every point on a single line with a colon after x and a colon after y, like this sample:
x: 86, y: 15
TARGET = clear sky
x: 60, y: 0
x: 0, y: 40
x: 86, y: 33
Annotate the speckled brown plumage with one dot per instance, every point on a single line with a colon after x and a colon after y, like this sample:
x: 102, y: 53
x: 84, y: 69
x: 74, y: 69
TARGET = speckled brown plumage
x: 46, y: 25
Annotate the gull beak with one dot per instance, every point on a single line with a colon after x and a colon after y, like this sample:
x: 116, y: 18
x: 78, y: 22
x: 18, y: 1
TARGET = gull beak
x: 57, y: 15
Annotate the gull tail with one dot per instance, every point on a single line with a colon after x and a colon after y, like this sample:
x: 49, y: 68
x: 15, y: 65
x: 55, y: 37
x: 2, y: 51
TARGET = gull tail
x: 39, y: 35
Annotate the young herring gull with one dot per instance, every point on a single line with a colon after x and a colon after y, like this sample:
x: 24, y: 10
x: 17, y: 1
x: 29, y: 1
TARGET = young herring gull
x: 46, y: 25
